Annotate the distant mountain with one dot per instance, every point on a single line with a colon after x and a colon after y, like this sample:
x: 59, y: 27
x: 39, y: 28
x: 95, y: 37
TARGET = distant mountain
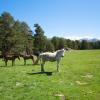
x: 94, y: 40
x: 90, y: 40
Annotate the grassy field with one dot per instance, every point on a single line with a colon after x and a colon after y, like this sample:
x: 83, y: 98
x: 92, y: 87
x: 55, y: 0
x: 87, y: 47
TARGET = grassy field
x: 78, y: 79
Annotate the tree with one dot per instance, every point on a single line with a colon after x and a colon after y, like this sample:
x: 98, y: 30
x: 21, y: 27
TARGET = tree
x: 55, y: 42
x: 84, y: 45
x: 49, y: 45
x: 39, y: 39
x: 27, y: 37
x: 6, y: 23
x: 76, y: 44
x: 15, y: 36
x: 25, y: 42
x: 62, y: 43
x: 69, y: 43
x: 97, y: 45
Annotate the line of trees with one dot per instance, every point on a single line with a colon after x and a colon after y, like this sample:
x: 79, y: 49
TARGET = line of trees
x: 16, y: 37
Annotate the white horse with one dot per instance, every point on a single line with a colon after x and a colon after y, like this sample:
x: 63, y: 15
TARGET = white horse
x: 49, y: 56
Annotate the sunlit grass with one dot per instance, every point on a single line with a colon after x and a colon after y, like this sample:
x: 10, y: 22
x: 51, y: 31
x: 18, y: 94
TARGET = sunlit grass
x: 78, y: 79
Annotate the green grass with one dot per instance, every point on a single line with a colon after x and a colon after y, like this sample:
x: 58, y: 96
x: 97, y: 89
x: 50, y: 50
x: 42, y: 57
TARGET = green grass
x: 78, y: 79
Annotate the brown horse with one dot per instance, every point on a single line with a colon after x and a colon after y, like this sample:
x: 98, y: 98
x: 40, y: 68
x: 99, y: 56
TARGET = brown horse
x: 11, y: 57
x: 26, y: 57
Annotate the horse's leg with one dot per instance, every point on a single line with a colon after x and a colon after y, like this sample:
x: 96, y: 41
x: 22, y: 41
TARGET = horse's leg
x: 24, y: 61
x: 13, y: 62
x: 33, y: 60
x: 58, y: 65
x: 6, y: 62
x: 42, y: 66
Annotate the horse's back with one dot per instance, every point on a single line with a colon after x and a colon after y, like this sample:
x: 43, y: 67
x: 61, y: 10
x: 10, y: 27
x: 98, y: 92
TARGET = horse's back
x: 47, y: 56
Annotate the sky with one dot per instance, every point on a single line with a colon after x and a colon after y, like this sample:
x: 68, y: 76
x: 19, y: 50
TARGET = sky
x: 73, y: 19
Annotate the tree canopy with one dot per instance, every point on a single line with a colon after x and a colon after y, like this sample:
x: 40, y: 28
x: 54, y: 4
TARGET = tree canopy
x: 39, y: 39
x: 16, y: 37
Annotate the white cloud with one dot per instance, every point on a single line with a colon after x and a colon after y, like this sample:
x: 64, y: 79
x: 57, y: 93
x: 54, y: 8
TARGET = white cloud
x: 78, y: 37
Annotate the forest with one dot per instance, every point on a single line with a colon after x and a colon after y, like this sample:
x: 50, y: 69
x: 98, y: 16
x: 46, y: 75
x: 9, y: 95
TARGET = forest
x: 16, y: 36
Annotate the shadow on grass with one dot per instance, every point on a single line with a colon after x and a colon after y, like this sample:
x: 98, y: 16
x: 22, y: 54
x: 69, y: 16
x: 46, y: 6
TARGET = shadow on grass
x: 34, y: 73
x: 2, y: 66
x: 27, y: 65
x: 8, y: 66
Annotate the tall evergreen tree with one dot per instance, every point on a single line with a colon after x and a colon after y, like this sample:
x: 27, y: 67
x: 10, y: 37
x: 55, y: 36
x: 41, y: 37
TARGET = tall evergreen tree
x: 62, y: 43
x: 27, y: 37
x: 55, y: 42
x: 6, y: 23
x: 14, y: 35
x: 76, y: 44
x: 69, y: 43
x: 49, y: 45
x: 84, y: 45
x: 39, y: 39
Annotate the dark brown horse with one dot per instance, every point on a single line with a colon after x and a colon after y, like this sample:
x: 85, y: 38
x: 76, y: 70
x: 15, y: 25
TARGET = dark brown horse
x: 11, y: 57
x: 26, y: 57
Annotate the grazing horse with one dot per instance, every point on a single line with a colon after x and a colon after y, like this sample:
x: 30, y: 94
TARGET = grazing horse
x: 49, y: 56
x: 26, y: 57
x: 11, y: 57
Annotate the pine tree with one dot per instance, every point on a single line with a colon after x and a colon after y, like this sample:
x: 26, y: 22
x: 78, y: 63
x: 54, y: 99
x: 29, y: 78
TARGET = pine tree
x: 39, y: 39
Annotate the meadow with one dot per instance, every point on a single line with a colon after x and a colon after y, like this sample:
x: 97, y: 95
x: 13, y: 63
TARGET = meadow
x: 78, y: 78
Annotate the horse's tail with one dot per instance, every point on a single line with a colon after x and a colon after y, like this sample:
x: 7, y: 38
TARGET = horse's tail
x: 40, y: 59
x: 33, y: 58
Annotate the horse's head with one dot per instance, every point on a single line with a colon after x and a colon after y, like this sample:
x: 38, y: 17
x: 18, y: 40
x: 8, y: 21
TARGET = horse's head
x: 60, y: 53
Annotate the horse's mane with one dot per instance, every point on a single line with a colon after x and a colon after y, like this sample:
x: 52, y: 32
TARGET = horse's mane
x: 59, y: 50
x: 52, y: 53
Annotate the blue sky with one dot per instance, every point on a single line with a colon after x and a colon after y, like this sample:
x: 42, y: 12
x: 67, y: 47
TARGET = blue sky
x: 64, y: 18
